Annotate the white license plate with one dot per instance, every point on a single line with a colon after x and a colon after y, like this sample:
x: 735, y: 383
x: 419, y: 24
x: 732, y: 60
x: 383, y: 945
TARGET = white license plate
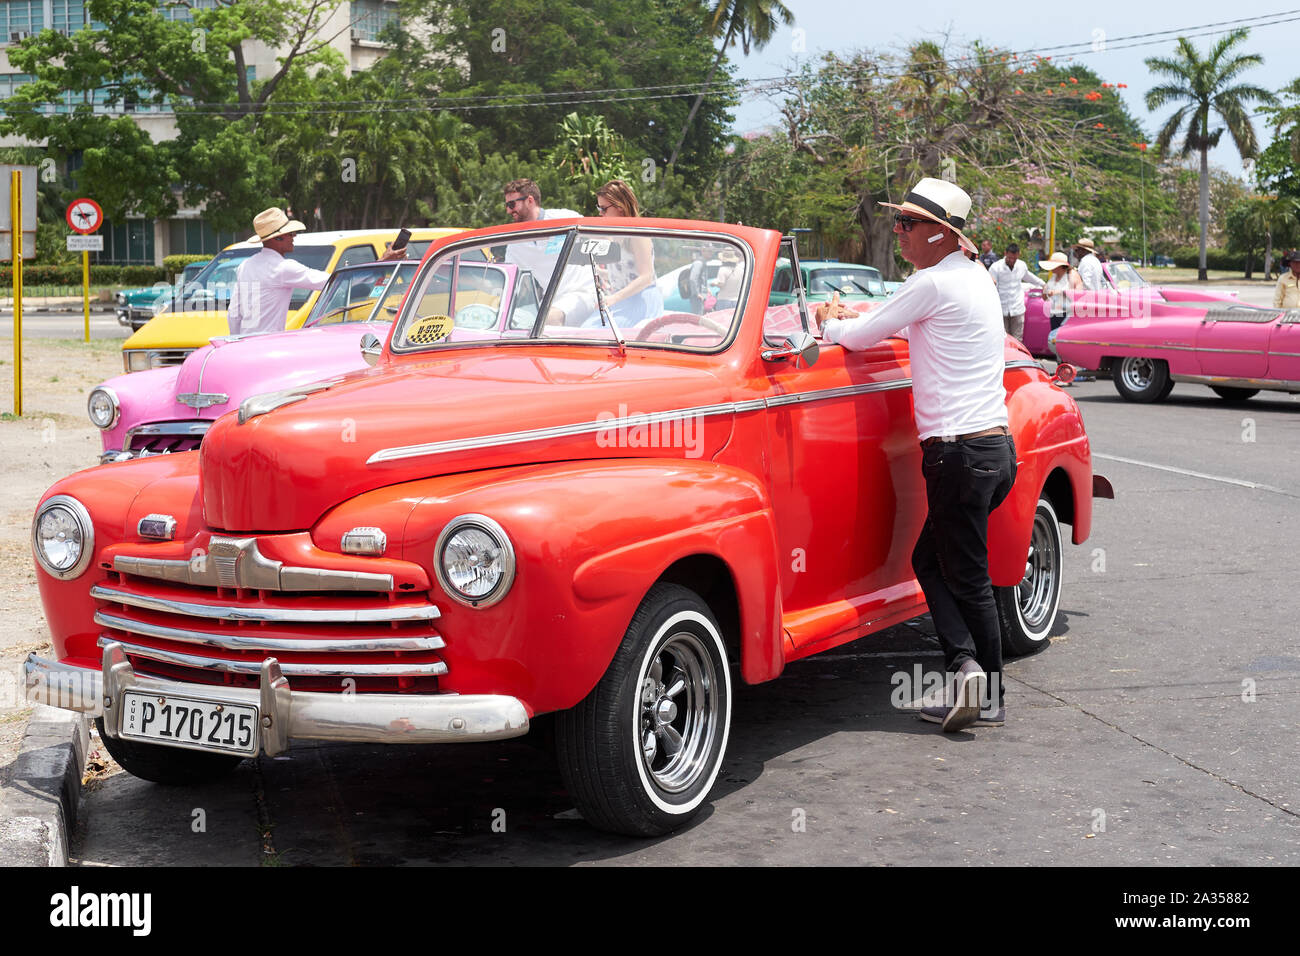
x: 190, y: 722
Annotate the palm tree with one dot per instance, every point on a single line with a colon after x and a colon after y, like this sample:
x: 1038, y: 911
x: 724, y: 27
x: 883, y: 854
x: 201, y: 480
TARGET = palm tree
x: 1202, y: 85
x: 752, y: 22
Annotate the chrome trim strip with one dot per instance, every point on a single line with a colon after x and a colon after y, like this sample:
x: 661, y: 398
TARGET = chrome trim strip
x: 1168, y: 347
x: 292, y: 715
x: 231, y: 612
x: 202, y: 399
x: 238, y: 563
x: 243, y: 640
x: 1269, y: 384
x: 632, y: 421
x: 430, y: 669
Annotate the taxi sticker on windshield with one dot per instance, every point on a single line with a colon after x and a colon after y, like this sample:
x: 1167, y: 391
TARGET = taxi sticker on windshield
x: 429, y: 329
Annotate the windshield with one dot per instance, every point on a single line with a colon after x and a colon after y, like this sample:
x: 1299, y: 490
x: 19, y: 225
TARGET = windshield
x: 847, y: 280
x: 572, y: 285
x: 214, y: 283
x: 1125, y: 276
x: 368, y: 294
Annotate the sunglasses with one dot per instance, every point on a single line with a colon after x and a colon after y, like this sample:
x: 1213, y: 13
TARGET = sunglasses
x: 604, y: 209
x: 907, y: 222
x: 511, y: 203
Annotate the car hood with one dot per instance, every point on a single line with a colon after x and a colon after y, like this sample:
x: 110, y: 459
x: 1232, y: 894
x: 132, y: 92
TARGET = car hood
x: 179, y: 330
x: 238, y: 368
x: 469, y: 409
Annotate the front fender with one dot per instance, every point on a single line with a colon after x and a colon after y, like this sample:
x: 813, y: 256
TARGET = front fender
x: 590, y: 538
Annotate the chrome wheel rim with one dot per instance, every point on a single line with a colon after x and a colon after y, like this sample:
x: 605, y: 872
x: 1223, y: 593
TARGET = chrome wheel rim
x: 1138, y: 373
x: 678, y: 712
x: 1036, y: 593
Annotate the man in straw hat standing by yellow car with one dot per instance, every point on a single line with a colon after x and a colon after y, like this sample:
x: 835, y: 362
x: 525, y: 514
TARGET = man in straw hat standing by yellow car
x: 265, y: 281
x: 953, y: 320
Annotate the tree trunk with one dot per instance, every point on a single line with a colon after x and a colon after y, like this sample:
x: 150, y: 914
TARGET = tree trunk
x: 1268, y: 254
x: 878, y: 237
x: 1205, y: 208
x: 699, y: 98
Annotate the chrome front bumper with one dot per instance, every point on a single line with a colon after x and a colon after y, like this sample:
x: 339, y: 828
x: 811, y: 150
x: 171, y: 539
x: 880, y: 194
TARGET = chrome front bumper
x: 285, y: 714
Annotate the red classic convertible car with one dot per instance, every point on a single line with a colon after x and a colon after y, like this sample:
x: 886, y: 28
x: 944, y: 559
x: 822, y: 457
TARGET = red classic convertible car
x: 601, y: 520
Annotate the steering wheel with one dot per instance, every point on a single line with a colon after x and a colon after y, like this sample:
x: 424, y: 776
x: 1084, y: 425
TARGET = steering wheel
x: 670, y: 318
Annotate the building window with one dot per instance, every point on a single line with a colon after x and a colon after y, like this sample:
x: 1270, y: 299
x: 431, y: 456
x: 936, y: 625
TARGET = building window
x: 196, y: 237
x: 20, y: 19
x: 128, y: 243
x: 69, y: 16
x: 371, y: 17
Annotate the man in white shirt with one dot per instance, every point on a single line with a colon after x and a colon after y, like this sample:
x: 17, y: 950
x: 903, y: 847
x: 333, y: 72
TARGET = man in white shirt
x: 1009, y: 274
x: 576, y: 297
x: 265, y: 281
x: 953, y: 320
x: 1089, y: 265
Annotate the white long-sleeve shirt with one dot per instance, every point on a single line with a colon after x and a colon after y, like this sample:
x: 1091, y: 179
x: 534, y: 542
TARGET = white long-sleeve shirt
x: 954, y: 322
x: 1090, y: 272
x: 264, y: 285
x: 1009, y: 280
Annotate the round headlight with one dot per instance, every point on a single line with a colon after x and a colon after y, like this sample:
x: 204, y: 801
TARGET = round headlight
x: 474, y: 561
x: 103, y: 408
x: 121, y: 298
x: 63, y: 538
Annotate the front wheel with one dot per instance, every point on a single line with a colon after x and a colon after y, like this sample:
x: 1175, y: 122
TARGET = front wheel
x: 1141, y: 379
x: 173, y: 766
x: 1229, y: 394
x: 1027, y: 611
x: 642, y: 751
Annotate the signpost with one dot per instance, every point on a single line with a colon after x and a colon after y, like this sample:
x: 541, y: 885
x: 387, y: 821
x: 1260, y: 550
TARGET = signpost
x: 85, y: 216
x: 14, y: 224
x: 1049, y: 233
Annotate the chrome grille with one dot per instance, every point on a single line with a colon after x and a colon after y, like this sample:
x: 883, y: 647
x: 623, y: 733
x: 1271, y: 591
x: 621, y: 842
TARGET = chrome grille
x: 219, y: 631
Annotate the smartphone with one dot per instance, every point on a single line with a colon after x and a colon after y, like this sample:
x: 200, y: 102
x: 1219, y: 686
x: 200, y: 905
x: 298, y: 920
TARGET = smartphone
x: 402, y: 238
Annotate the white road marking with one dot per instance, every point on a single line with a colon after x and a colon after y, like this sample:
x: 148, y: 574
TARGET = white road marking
x: 1194, y: 474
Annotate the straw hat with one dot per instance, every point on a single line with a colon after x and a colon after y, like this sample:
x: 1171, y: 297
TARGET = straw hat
x: 939, y: 201
x: 270, y: 223
x: 1055, y: 261
x: 1086, y: 244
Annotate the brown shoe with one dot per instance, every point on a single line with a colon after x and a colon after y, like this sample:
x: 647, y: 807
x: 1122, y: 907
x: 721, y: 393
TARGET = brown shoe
x: 968, y: 692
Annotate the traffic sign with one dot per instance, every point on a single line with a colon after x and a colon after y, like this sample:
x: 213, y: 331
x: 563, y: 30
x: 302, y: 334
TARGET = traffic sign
x: 85, y: 243
x: 85, y: 216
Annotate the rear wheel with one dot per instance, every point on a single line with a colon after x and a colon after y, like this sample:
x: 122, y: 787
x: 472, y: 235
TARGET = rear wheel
x: 173, y: 766
x: 1028, y: 610
x: 1229, y: 394
x: 642, y: 751
x: 1141, y: 379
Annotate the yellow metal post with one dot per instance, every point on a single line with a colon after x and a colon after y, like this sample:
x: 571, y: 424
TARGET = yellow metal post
x: 16, y: 217
x: 85, y: 289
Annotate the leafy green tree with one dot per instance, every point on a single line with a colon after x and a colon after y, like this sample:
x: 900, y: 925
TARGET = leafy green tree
x: 747, y: 22
x: 1202, y: 86
x: 546, y: 53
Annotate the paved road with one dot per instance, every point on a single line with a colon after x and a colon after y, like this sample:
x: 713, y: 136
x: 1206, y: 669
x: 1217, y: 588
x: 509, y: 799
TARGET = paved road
x: 1160, y: 726
x: 63, y: 325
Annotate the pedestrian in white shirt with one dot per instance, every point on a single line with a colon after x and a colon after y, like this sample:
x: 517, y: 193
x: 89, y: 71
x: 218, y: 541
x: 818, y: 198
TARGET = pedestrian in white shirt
x: 1089, y: 266
x: 953, y: 321
x: 1009, y: 274
x: 576, y: 297
x: 265, y: 281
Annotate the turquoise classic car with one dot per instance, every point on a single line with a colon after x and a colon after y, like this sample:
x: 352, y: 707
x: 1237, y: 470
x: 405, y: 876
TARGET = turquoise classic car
x: 135, y: 307
x: 822, y: 278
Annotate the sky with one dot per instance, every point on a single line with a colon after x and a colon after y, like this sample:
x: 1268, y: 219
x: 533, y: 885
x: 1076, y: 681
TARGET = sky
x: 1108, y: 32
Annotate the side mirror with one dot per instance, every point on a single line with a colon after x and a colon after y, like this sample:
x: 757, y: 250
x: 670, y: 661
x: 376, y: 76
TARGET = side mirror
x: 801, y: 347
x: 371, y: 348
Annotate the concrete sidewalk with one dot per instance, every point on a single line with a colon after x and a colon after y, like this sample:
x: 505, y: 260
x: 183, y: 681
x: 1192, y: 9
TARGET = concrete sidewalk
x: 41, y: 796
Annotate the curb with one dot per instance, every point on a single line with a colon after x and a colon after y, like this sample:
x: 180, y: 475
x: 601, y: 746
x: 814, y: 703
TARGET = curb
x: 42, y: 799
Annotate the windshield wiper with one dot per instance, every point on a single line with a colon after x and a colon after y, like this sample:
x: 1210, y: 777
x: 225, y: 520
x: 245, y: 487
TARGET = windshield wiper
x: 600, y: 304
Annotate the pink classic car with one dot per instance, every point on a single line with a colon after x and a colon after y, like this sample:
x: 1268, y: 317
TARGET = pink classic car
x: 1147, y: 346
x: 1124, y: 285
x: 170, y: 409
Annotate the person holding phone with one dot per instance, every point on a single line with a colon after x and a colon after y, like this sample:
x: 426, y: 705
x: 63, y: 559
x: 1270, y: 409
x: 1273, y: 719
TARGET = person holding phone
x: 265, y: 281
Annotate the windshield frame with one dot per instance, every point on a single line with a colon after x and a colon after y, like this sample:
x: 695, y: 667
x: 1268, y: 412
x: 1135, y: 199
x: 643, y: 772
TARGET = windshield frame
x: 571, y: 234
x: 394, y: 267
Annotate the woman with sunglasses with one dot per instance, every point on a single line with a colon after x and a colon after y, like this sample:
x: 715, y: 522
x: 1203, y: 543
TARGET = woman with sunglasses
x: 631, y: 295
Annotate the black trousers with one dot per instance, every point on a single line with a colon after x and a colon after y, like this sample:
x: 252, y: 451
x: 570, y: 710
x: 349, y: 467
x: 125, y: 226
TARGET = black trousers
x: 964, y: 482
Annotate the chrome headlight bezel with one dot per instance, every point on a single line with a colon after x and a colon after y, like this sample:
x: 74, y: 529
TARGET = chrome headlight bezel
x: 87, y: 528
x: 505, y: 553
x: 112, y: 397
x: 129, y: 359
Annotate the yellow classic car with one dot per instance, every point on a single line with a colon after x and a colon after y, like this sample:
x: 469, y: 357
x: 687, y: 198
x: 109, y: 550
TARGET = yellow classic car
x: 191, y: 319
